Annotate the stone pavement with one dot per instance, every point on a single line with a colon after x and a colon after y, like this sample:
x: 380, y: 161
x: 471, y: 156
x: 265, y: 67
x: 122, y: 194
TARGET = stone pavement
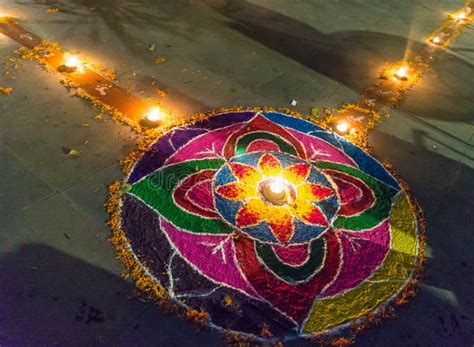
x: 60, y: 283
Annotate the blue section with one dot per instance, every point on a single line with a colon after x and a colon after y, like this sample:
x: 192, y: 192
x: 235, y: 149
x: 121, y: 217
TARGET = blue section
x: 328, y: 206
x: 369, y: 165
x: 223, y: 176
x: 261, y: 232
x: 315, y: 176
x: 227, y: 208
x: 298, y: 124
x: 328, y: 137
x: 250, y: 159
x: 305, y: 232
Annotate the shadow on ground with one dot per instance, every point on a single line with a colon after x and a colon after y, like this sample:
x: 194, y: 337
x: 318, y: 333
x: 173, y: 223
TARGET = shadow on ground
x: 50, y: 298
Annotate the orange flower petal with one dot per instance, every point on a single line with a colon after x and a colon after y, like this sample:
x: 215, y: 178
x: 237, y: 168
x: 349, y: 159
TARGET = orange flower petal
x: 297, y: 173
x: 282, y: 226
x: 249, y: 214
x: 315, y: 216
x: 244, y: 172
x: 316, y: 192
x: 311, y: 214
x: 269, y: 165
x: 237, y: 191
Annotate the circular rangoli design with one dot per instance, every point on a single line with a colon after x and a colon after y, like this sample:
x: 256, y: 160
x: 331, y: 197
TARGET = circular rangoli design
x: 263, y: 219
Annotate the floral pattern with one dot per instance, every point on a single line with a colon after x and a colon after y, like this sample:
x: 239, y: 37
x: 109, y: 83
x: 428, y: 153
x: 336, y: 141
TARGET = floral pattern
x: 263, y: 219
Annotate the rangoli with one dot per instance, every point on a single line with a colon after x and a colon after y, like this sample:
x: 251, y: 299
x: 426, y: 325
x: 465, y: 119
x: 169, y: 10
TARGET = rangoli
x: 263, y: 219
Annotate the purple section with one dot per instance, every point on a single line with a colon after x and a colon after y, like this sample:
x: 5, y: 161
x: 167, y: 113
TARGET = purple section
x: 212, y: 255
x: 225, y: 119
x: 167, y: 145
x: 362, y: 253
x: 161, y: 150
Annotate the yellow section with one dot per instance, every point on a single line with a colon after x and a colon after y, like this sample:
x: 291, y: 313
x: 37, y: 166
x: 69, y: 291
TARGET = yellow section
x: 390, y: 277
x: 293, y: 175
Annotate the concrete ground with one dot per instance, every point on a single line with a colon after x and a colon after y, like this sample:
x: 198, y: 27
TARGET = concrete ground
x: 59, y: 280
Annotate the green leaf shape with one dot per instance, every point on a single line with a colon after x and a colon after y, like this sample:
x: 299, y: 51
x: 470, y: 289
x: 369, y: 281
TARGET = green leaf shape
x: 156, y: 191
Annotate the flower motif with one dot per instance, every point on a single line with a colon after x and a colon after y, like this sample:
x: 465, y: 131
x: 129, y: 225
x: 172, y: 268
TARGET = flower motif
x: 276, y: 195
x: 296, y: 223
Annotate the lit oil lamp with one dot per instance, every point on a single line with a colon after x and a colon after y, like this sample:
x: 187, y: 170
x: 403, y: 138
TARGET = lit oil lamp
x: 436, y: 40
x: 401, y: 74
x: 71, y: 64
x: 155, y: 114
x: 342, y: 127
x: 277, y: 191
x: 460, y: 16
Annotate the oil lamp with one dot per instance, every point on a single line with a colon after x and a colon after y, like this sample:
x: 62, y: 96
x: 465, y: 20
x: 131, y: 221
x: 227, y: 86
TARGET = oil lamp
x: 401, y: 74
x: 277, y: 191
x: 154, y: 114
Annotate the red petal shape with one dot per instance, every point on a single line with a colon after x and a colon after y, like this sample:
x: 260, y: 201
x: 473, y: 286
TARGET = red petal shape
x: 242, y: 171
x: 294, y: 300
x: 299, y: 171
x: 282, y: 231
x: 182, y: 199
x: 320, y: 192
x: 230, y: 191
x: 315, y: 216
x: 268, y: 161
x: 247, y: 216
x: 356, y: 196
x: 259, y: 122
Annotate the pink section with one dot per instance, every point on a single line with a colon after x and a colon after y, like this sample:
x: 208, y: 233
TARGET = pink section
x: 293, y: 255
x: 262, y: 145
x: 209, y: 145
x: 318, y: 149
x: 363, y: 252
x: 201, y: 195
x: 212, y: 255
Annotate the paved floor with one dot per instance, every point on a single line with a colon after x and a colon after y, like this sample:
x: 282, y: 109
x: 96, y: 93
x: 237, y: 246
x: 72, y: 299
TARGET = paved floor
x: 60, y: 283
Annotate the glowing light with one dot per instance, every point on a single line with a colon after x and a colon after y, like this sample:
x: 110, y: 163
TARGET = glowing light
x: 436, y: 40
x: 277, y: 186
x: 460, y: 16
x: 342, y: 127
x: 73, y: 63
x: 155, y: 114
x: 401, y: 74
